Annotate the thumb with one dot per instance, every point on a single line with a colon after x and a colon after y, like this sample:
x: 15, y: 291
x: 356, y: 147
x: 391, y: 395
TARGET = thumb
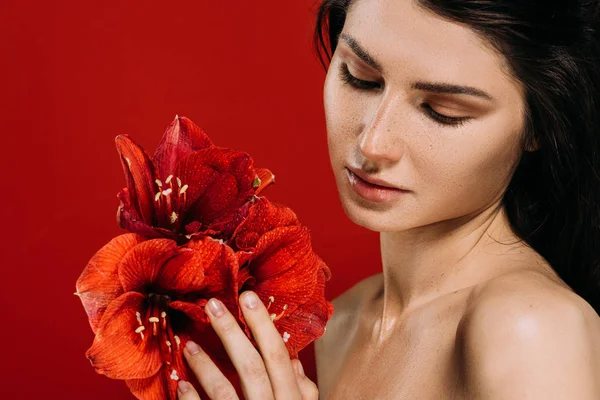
x: 308, y: 389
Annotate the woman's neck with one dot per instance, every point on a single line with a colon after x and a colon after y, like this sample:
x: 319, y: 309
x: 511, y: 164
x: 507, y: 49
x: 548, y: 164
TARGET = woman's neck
x: 423, y: 264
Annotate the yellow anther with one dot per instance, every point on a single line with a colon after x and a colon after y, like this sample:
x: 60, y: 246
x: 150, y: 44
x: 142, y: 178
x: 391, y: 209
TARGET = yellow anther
x: 168, y: 180
x: 157, y: 196
x: 139, y: 317
x: 158, y: 182
x: 273, y: 316
x: 177, y: 340
x: 153, y: 319
x: 167, y: 192
x: 183, y: 189
x: 163, y: 314
x: 178, y: 182
x: 272, y: 299
x: 173, y: 217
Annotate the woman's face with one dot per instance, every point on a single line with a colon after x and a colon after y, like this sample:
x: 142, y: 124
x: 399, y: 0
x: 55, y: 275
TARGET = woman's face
x: 387, y: 127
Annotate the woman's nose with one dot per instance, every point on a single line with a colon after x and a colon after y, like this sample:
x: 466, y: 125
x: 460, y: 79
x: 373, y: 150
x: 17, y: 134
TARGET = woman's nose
x: 380, y: 139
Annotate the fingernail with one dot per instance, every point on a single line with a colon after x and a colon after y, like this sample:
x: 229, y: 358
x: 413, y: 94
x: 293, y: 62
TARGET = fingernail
x: 216, y: 307
x: 192, y: 347
x: 250, y: 300
x: 183, y: 386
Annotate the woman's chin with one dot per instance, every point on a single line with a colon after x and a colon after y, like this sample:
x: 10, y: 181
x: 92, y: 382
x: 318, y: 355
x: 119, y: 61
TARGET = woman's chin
x: 373, y: 219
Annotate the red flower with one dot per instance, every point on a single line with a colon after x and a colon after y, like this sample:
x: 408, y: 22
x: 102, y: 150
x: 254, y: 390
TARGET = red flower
x: 277, y: 262
x: 189, y: 187
x: 199, y: 230
x: 145, y: 299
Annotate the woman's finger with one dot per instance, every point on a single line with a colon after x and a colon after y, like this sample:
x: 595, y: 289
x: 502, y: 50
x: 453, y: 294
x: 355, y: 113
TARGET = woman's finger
x: 214, y: 383
x: 185, y: 391
x: 245, y: 358
x: 272, y: 347
x: 308, y: 388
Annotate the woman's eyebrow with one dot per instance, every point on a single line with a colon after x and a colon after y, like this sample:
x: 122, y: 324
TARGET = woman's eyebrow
x: 361, y: 52
x: 435, y: 87
x: 447, y: 88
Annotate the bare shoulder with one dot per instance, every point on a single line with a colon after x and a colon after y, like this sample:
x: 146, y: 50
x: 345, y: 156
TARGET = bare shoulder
x: 525, y: 335
x: 330, y: 348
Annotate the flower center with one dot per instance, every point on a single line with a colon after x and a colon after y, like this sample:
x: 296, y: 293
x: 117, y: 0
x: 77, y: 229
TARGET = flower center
x: 156, y: 320
x: 171, y: 199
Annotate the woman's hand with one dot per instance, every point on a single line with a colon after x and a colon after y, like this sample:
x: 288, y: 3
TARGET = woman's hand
x: 269, y: 374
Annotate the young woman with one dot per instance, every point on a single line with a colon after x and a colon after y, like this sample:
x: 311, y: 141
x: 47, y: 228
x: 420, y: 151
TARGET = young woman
x: 467, y: 132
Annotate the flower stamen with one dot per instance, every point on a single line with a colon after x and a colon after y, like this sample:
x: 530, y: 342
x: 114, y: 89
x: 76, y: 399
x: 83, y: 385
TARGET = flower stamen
x: 276, y: 317
x: 154, y: 320
x: 164, y: 319
x: 139, y: 330
x: 174, y: 375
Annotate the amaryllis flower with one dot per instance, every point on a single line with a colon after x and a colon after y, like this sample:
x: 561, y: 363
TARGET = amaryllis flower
x: 145, y: 299
x: 189, y: 187
x: 277, y: 262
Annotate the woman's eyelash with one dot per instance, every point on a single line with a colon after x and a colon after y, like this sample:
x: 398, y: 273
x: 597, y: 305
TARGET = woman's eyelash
x: 347, y: 77
x: 353, y: 81
x: 444, y: 119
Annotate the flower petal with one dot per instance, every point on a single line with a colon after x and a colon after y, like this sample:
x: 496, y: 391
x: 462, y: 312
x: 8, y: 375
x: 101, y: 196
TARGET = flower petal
x: 163, y: 385
x: 99, y: 284
x: 141, y: 266
x: 220, y: 266
x: 219, y: 181
x: 140, y: 176
x: 281, y: 249
x: 285, y: 269
x: 266, y: 178
x: 118, y: 351
x: 194, y: 311
x: 220, y: 269
x: 307, y: 322
x: 152, y: 388
x: 129, y: 219
x: 184, y: 272
x: 262, y: 217
x: 181, y: 138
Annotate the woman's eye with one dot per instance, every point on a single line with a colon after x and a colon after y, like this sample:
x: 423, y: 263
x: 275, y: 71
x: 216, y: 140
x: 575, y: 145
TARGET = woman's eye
x: 444, y: 119
x: 353, y: 81
x: 350, y: 79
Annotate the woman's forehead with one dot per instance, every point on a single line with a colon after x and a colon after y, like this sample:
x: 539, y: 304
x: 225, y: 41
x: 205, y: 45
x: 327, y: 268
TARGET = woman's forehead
x: 409, y: 42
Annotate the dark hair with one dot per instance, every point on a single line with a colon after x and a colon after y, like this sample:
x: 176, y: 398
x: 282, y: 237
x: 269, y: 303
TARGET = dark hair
x: 553, y: 48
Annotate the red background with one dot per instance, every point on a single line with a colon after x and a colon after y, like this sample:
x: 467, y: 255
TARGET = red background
x: 74, y: 75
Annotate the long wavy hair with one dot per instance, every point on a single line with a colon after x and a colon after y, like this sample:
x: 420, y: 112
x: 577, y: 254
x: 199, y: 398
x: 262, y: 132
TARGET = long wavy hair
x: 553, y: 48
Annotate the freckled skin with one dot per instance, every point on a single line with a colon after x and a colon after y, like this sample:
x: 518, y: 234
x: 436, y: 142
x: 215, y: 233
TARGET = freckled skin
x: 447, y: 247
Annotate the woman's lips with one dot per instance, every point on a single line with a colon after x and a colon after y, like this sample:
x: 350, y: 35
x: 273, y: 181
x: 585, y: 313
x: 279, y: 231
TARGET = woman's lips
x: 371, y: 192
